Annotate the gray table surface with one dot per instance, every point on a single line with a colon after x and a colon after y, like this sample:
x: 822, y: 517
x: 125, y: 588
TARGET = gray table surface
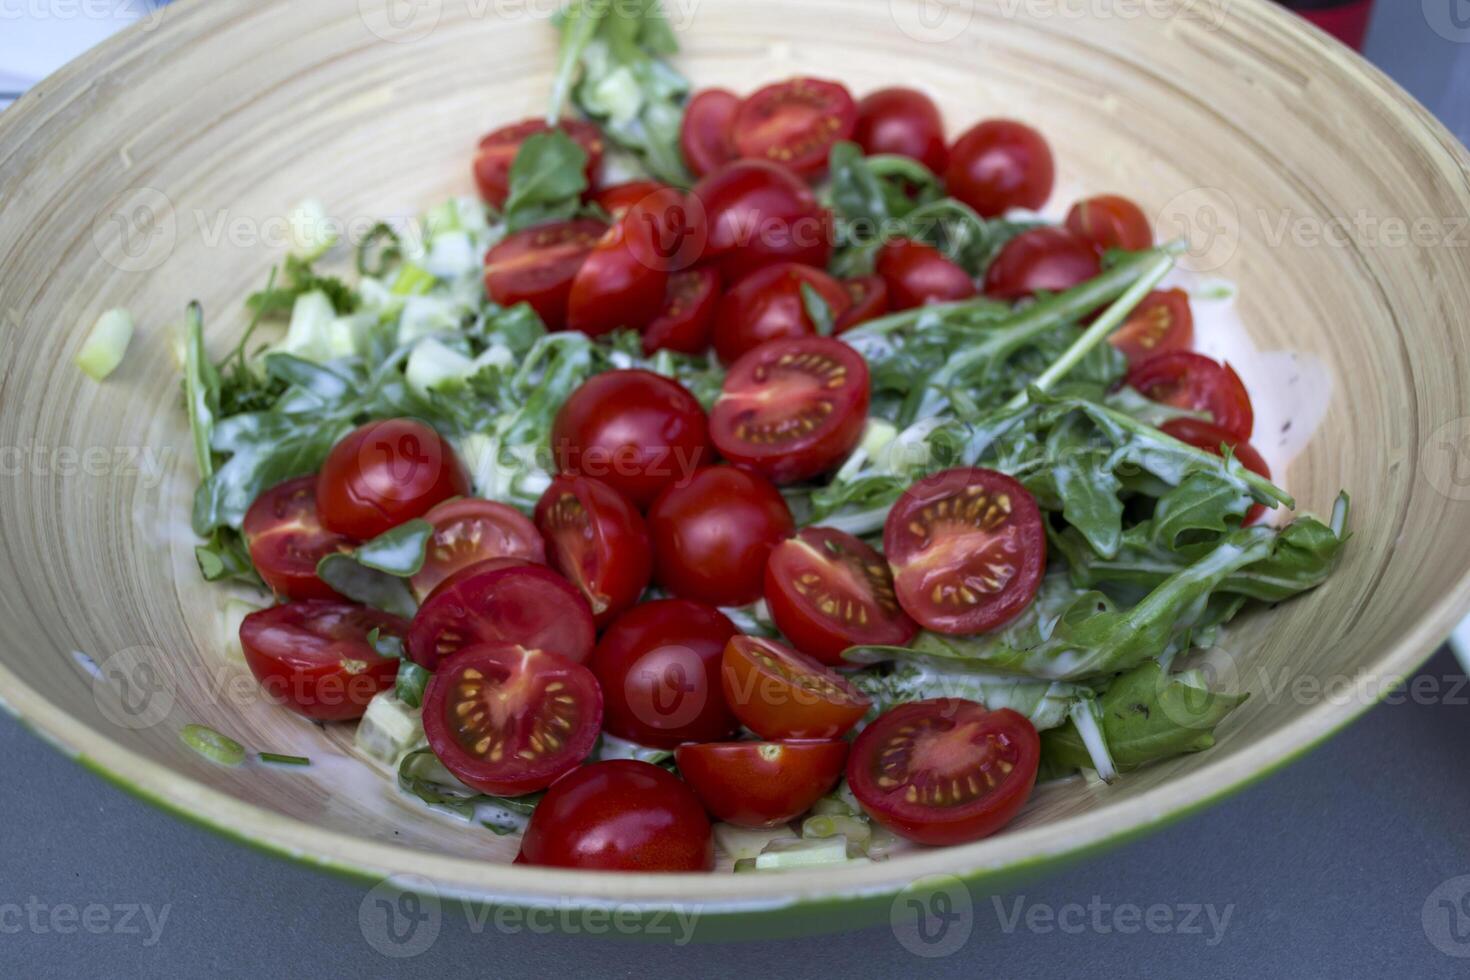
x: 1352, y: 862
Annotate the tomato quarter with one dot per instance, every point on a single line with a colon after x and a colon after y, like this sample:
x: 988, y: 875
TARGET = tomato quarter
x: 598, y: 541
x: 1110, y: 221
x: 999, y: 165
x: 688, y: 314
x: 384, y: 473
x: 903, y: 121
x: 795, y: 123
x: 539, y: 265
x: 1042, y: 259
x: 498, y: 151
x: 779, y: 693
x: 1162, y: 322
x: 705, y: 135
x: 468, y: 531
x: 1203, y: 435
x: 761, y: 784
x: 287, y: 541
x: 770, y: 304
x: 917, y: 273
x: 1195, y: 383
x: 757, y: 214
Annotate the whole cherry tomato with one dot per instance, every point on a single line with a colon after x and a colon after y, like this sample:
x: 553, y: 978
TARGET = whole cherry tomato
x: 917, y: 273
x: 617, y: 286
x: 1041, y: 259
x: 903, y: 121
x: 999, y: 165
x: 385, y: 473
x: 759, y: 213
x: 770, y: 304
x: 867, y: 300
x: 1110, y: 221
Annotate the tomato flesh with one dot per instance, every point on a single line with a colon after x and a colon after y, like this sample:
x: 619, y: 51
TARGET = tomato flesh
x: 1110, y: 222
x: 688, y: 314
x: 598, y: 542
x: 944, y: 771
x: 917, y: 273
x: 779, y: 693
x: 867, y: 299
x: 795, y: 123
x: 770, y: 304
x: 1041, y: 259
x: 1162, y: 322
x: 508, y: 720
x: 761, y: 784
x: 905, y: 122
x: 968, y: 548
x: 287, y: 541
x: 314, y: 657
x: 468, y: 531
x: 705, y: 134
x: 498, y: 151
x: 1203, y: 435
x: 384, y: 473
x: 539, y: 265
x: 758, y: 214
x: 1196, y: 383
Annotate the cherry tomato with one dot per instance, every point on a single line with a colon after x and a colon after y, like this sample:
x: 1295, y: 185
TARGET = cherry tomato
x: 999, y: 165
x: 509, y: 720
x: 1110, y: 221
x: 867, y: 299
x: 902, y: 121
x: 1042, y: 259
x: 634, y: 430
x: 1162, y: 322
x: 287, y: 540
x: 945, y: 771
x: 779, y: 693
x: 828, y: 591
x: 757, y: 214
x: 598, y: 541
x: 917, y: 273
x: 617, y: 286
x: 498, y: 151
x: 468, y: 531
x: 704, y: 136
x: 713, y: 534
x: 659, y: 666
x: 769, y: 304
x: 968, y: 549
x: 384, y: 473
x: 1203, y: 435
x: 688, y: 313
x: 503, y: 600
x: 617, y: 199
x: 620, y: 815
x: 314, y: 657
x: 1192, y: 381
x: 761, y: 784
x: 538, y: 265
x: 791, y: 410
x: 795, y: 123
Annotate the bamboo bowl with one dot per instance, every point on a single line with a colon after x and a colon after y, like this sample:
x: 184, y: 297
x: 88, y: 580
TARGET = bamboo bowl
x: 152, y: 171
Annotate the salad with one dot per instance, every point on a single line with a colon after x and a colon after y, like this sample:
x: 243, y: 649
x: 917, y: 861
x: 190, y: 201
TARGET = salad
x: 756, y: 470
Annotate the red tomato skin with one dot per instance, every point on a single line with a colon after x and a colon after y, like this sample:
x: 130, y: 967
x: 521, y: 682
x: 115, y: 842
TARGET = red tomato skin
x: 768, y: 305
x: 313, y: 656
x: 614, y: 531
x: 499, y: 531
x: 905, y: 122
x: 761, y: 784
x: 498, y: 151
x: 998, y: 165
x: 384, y: 473
x: 620, y: 815
x: 659, y: 667
x: 916, y: 274
x: 704, y: 136
x: 539, y: 265
x: 1162, y: 322
x: 1193, y: 381
x: 1204, y: 435
x: 957, y: 824
x: 688, y: 314
x: 1048, y: 259
x: 634, y: 430
x: 757, y: 214
x: 867, y: 299
x: 1109, y: 222
x: 713, y: 535
x: 286, y: 540
x: 780, y: 693
x: 758, y: 132
x: 616, y: 286
x: 618, y: 198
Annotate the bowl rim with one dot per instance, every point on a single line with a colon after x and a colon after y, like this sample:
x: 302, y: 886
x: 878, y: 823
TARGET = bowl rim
x: 1027, y: 850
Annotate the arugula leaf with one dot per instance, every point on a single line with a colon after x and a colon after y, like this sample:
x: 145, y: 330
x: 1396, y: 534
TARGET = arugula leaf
x: 358, y: 582
x: 382, y: 241
x: 817, y: 310
x: 399, y: 551
x: 410, y: 684
x: 547, y: 180
x: 918, y: 677
x: 298, y: 278
x: 201, y: 390
x: 224, y: 558
x: 423, y: 775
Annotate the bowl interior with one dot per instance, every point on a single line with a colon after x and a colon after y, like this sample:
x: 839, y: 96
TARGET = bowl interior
x: 1228, y: 122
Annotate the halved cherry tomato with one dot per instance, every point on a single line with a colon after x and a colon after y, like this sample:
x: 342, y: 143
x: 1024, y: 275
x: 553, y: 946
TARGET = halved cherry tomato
x: 659, y: 667
x: 779, y: 693
x: 384, y: 473
x: 314, y: 657
x: 498, y: 151
x: 867, y: 299
x: 510, y: 720
x: 598, y: 541
x: 945, y: 771
x: 1042, y: 259
x: 688, y: 314
x: 1162, y: 322
x: 713, y: 533
x: 759, y: 213
x: 1192, y: 381
x: 634, y: 430
x: 792, y: 409
x: 795, y: 123
x: 617, y: 286
x: 1110, y: 221
x: 617, y: 199
x: 620, y: 815
x: 902, y: 121
x: 769, y: 304
x: 999, y: 165
x: 1203, y: 435
x: 917, y: 273
x: 705, y: 135
x: 287, y: 540
x: 538, y: 265
x: 968, y: 549
x: 503, y: 600
x: 468, y: 531
x: 828, y: 591
x: 761, y: 784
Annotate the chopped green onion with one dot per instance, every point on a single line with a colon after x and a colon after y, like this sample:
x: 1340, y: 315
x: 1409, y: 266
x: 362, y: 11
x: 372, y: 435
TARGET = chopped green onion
x: 284, y: 760
x: 212, y: 745
x: 107, y: 343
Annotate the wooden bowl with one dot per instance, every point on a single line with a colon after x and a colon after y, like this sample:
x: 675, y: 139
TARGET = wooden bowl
x: 154, y: 170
